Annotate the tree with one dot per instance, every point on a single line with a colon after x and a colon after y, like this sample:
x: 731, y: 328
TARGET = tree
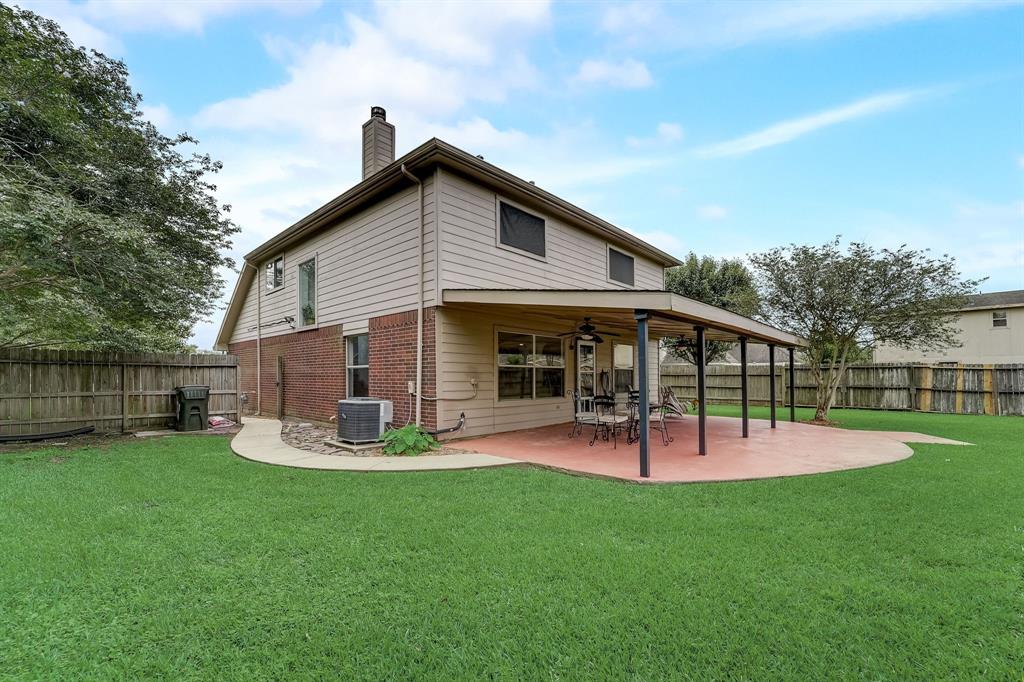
x: 724, y: 283
x: 846, y: 303
x: 111, y: 235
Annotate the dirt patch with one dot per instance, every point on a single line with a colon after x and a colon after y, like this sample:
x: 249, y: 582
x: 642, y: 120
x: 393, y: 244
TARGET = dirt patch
x: 90, y: 440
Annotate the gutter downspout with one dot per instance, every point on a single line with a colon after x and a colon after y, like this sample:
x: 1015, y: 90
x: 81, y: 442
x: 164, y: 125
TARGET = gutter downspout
x: 419, y: 290
x: 259, y: 338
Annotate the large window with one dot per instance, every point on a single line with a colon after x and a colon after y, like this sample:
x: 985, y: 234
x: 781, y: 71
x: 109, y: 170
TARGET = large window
x: 623, y: 361
x: 620, y: 266
x: 307, y: 293
x: 521, y: 230
x: 275, y: 273
x: 999, y: 318
x: 530, y: 367
x: 357, y: 359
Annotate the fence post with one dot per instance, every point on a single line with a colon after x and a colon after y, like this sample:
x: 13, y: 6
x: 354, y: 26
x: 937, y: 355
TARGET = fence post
x: 925, y: 389
x: 958, y: 397
x: 990, y: 399
x: 124, y: 397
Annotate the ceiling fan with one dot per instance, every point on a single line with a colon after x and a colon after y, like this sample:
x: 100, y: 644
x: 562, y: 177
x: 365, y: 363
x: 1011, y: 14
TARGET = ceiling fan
x: 588, y: 332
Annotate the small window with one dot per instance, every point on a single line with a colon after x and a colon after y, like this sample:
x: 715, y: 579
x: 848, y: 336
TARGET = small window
x: 999, y: 318
x: 623, y: 361
x: 307, y: 293
x: 275, y: 273
x: 620, y: 267
x: 530, y: 366
x: 522, y: 230
x: 357, y: 360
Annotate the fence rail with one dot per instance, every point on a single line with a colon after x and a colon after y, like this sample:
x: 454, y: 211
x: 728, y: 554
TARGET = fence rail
x: 49, y: 390
x: 955, y: 389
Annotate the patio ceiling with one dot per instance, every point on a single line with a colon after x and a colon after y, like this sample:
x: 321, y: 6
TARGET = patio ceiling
x: 671, y: 314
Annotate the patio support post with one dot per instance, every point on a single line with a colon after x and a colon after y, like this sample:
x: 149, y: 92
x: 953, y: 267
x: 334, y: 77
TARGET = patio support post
x: 702, y: 403
x: 771, y: 380
x: 744, y: 391
x: 645, y: 399
x: 792, y: 387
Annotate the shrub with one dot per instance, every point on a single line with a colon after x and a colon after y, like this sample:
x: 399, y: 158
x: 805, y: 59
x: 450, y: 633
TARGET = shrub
x: 409, y: 440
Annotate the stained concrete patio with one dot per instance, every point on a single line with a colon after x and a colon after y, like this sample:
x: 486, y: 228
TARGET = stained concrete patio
x: 792, y: 449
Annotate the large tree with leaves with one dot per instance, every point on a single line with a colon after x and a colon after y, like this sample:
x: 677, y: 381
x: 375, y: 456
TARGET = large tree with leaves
x: 726, y: 283
x: 846, y: 302
x: 111, y: 234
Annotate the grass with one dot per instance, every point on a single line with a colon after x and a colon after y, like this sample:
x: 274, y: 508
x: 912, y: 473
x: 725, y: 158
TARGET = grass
x: 173, y: 558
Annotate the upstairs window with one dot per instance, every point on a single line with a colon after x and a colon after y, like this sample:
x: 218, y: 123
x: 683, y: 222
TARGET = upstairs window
x: 999, y: 318
x: 620, y: 266
x: 275, y: 273
x: 521, y: 230
x: 357, y: 360
x: 307, y: 293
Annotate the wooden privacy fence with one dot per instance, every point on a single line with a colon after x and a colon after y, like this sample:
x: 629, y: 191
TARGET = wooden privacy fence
x: 43, y: 391
x: 955, y: 389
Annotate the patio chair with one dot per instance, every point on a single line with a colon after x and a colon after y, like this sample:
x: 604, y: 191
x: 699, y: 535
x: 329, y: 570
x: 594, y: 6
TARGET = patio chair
x: 584, y: 413
x: 671, y: 403
x: 657, y: 418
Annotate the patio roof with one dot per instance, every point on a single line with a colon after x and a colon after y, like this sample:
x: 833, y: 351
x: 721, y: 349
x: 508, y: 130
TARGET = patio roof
x: 671, y: 314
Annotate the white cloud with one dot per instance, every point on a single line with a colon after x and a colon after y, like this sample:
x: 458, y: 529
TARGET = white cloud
x: 160, y: 115
x: 665, y: 133
x: 629, y: 74
x: 731, y: 25
x: 712, y: 212
x: 787, y: 131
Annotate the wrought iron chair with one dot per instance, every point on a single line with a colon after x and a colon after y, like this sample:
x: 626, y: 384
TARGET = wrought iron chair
x: 584, y: 413
x: 657, y: 419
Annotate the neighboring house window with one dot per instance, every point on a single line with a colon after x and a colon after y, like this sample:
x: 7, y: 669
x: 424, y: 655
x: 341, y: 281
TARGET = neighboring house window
x: 530, y: 366
x: 307, y: 293
x: 620, y: 266
x: 358, y: 360
x: 999, y: 318
x: 521, y: 230
x: 275, y: 273
x: 623, y: 356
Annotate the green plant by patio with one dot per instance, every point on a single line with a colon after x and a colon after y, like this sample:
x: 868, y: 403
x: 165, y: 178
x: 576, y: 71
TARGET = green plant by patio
x: 409, y: 440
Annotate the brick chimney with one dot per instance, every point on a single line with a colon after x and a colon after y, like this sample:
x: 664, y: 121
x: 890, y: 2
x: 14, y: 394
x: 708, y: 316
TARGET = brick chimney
x: 378, y: 142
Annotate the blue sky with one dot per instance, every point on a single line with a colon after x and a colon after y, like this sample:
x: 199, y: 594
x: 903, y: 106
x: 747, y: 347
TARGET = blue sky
x: 719, y: 128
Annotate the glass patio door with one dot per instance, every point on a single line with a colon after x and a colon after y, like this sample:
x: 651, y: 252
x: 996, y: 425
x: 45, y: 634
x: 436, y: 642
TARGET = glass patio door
x: 586, y: 368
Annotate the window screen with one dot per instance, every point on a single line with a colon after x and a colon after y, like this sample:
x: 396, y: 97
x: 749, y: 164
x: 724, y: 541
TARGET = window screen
x: 999, y: 318
x: 307, y: 293
x: 522, y: 230
x: 620, y: 267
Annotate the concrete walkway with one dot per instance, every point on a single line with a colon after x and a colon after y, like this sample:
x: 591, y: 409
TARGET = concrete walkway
x: 260, y: 441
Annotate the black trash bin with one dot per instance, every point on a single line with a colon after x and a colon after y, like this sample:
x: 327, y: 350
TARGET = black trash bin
x: 193, y: 407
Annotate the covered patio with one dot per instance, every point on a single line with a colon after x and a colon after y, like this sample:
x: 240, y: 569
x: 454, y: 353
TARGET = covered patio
x: 789, y: 449
x: 646, y: 316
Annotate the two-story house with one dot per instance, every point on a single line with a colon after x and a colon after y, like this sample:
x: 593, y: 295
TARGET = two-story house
x: 450, y: 287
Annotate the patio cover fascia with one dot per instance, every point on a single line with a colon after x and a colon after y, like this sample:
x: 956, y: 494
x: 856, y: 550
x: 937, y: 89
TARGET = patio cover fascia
x: 661, y: 305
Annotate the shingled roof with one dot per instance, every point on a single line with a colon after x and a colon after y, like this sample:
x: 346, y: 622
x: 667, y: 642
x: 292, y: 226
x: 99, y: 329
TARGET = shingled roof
x: 995, y: 299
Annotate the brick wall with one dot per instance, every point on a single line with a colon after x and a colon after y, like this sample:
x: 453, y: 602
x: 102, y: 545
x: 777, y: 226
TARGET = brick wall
x: 314, y: 368
x: 314, y: 372
x: 393, y: 363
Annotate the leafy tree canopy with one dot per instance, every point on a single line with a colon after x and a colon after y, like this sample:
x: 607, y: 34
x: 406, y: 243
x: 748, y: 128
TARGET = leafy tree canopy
x: 847, y: 302
x: 111, y: 235
x: 724, y: 283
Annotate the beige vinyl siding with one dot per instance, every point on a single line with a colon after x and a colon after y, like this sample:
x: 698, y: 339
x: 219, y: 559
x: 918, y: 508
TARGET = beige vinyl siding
x: 466, y: 351
x: 472, y: 259
x: 366, y: 268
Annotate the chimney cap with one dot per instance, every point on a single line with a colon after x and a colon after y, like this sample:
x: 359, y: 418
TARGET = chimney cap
x: 378, y: 112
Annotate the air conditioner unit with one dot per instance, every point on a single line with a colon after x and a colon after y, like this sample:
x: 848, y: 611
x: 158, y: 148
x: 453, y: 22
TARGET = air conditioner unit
x: 363, y: 420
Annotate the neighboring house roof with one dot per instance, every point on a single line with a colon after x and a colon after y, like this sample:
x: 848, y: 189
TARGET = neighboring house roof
x: 995, y: 299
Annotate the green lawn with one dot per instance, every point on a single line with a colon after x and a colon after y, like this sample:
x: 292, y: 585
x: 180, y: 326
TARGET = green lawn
x: 173, y: 558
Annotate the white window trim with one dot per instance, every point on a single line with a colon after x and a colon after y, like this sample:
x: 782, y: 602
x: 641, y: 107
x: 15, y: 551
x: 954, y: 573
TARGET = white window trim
x: 498, y: 200
x: 316, y: 293
x: 608, y: 266
x: 284, y: 265
x: 348, y: 382
x: 533, y: 400
x: 1005, y: 318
